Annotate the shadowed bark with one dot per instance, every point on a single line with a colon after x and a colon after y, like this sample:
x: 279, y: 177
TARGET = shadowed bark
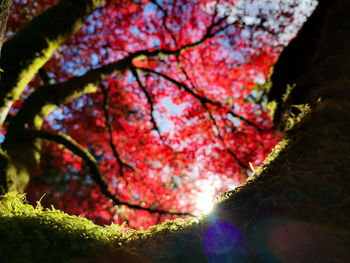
x: 4, y: 12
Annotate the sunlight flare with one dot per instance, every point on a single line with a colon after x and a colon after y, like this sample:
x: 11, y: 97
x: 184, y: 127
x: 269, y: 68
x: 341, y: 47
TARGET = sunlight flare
x: 205, y: 198
x: 204, y: 204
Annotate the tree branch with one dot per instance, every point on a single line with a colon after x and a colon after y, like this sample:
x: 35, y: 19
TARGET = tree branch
x: 116, y: 154
x: 110, y: 132
x: 45, y: 79
x: 165, y: 16
x: 149, y: 100
x: 4, y: 13
x: 212, y: 118
x: 203, y: 102
x: 46, y: 98
x: 199, y: 97
x: 50, y: 96
x: 25, y: 53
x: 97, y: 176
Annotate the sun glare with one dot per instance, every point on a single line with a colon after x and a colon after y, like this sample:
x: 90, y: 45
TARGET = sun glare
x: 204, y: 203
x: 205, y: 198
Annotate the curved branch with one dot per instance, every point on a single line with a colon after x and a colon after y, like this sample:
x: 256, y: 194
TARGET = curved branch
x: 50, y: 96
x: 25, y: 53
x: 222, y: 139
x: 97, y: 176
x: 204, y: 101
x: 199, y: 97
x: 116, y: 154
x: 46, y: 98
x: 110, y: 132
x: 149, y: 100
x: 165, y: 17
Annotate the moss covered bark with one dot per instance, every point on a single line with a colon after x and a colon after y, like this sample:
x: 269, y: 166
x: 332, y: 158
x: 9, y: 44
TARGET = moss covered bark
x: 22, y: 56
x: 25, y: 53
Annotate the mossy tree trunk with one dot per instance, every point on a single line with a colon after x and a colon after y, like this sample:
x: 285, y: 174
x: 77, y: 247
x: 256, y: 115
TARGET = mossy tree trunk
x: 21, y: 58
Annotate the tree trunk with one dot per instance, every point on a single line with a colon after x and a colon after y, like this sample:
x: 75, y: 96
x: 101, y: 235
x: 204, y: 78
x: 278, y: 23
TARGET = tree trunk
x: 4, y: 12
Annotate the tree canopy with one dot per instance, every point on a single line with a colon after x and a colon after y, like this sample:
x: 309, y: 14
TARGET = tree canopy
x: 143, y: 107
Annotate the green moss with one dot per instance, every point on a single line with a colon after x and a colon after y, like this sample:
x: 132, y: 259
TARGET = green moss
x: 35, y: 234
x: 31, y: 234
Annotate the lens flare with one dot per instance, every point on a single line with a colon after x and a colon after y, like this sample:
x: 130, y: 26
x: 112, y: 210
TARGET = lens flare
x: 223, y: 243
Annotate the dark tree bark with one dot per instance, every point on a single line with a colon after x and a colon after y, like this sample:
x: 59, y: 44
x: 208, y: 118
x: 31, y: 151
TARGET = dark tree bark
x: 4, y: 12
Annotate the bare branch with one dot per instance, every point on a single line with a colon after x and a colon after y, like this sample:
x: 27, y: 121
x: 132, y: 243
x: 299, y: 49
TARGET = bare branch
x: 110, y: 132
x: 165, y: 16
x: 97, y: 176
x: 149, y: 100
x: 204, y: 101
x: 199, y: 97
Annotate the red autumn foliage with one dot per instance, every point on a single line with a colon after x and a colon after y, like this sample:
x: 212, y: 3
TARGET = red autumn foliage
x: 188, y: 111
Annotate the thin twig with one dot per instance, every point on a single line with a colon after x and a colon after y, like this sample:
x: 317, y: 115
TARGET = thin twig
x: 149, y: 100
x: 223, y: 140
x: 110, y: 132
x: 116, y: 154
x: 199, y: 97
x: 165, y: 16
x: 204, y: 101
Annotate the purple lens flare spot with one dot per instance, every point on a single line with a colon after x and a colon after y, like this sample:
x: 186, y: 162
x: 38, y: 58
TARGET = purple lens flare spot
x: 223, y: 243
